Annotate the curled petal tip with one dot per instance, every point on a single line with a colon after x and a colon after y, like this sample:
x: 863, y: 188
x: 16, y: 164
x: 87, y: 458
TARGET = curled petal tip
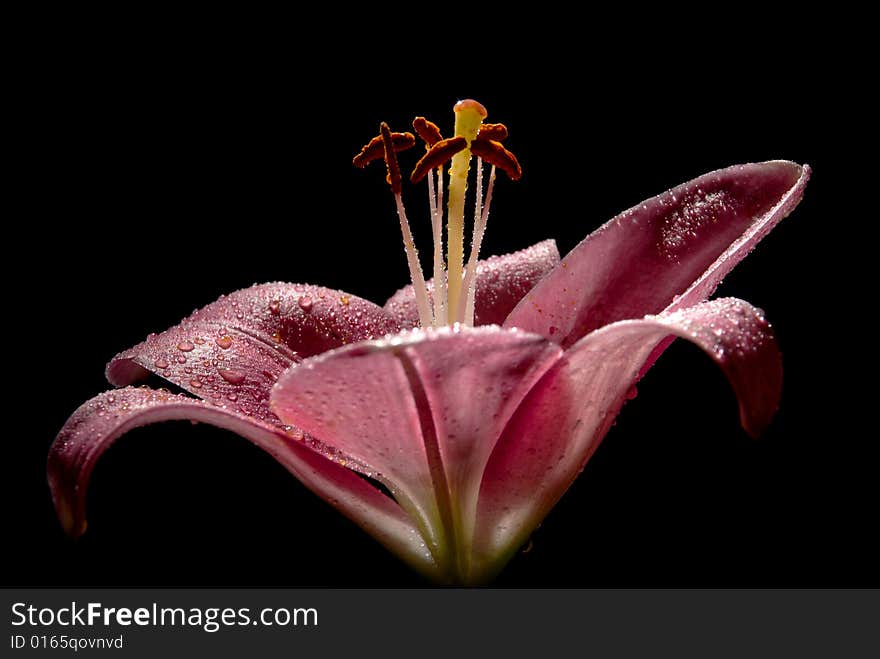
x: 97, y: 423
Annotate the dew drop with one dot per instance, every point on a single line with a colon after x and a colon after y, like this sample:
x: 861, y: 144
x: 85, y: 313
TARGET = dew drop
x: 181, y: 360
x: 275, y: 307
x: 195, y: 384
x: 233, y: 397
x: 161, y: 363
x: 224, y: 341
x: 185, y: 346
x: 305, y: 303
x: 232, y: 377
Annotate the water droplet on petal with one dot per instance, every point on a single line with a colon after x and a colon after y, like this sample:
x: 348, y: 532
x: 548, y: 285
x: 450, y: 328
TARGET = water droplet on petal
x: 195, y: 384
x: 232, y: 377
x: 181, y: 360
x: 161, y: 363
x: 224, y: 341
x: 305, y: 303
x: 185, y: 346
x: 275, y: 307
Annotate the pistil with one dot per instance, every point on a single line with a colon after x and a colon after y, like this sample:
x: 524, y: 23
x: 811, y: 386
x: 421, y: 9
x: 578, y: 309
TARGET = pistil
x: 469, y: 115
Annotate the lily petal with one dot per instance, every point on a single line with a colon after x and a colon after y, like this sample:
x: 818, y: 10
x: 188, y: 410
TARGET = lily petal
x: 501, y: 282
x: 669, y: 252
x: 424, y: 409
x: 236, y: 348
x: 100, y: 421
x: 566, y: 415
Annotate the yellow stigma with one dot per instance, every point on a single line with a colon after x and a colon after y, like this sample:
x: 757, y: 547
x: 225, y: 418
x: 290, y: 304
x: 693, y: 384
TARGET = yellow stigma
x: 469, y: 114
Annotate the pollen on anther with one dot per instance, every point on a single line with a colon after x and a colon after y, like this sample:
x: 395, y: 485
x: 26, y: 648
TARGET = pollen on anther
x: 437, y: 155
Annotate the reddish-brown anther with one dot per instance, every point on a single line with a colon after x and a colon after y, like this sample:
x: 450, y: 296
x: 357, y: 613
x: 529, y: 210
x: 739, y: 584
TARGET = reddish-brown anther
x: 438, y: 155
x: 497, y: 132
x: 375, y: 148
x: 393, y: 178
x: 494, y: 153
x: 427, y: 130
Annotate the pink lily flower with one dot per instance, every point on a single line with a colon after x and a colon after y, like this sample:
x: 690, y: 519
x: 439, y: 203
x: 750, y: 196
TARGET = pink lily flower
x: 474, y: 399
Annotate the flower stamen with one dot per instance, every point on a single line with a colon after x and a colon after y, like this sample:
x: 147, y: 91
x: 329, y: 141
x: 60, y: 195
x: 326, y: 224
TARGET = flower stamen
x: 391, y: 143
x: 454, y: 282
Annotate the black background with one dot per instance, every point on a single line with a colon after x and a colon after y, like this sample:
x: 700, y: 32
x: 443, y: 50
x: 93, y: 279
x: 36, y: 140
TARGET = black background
x: 158, y: 176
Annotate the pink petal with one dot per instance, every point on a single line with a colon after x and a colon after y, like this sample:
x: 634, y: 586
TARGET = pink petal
x: 566, y: 415
x: 501, y: 283
x: 93, y: 427
x: 235, y: 349
x: 423, y: 409
x: 671, y: 250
